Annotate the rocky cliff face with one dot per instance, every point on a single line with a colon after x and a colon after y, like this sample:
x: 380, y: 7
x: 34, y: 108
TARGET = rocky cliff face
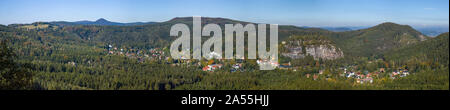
x: 317, y: 48
x: 324, y: 51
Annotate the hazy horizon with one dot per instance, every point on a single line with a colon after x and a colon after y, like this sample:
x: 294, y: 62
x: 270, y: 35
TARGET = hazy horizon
x: 313, y: 13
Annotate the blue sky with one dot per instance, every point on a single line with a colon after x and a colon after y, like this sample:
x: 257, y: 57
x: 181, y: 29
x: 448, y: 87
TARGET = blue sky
x: 293, y: 12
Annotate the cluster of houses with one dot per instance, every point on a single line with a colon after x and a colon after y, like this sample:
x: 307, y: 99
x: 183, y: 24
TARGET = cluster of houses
x: 212, y: 67
x: 268, y: 62
x: 154, y: 53
x: 234, y: 68
x: 275, y: 64
x: 367, y: 77
x: 399, y: 73
x: 238, y: 66
x: 361, y: 77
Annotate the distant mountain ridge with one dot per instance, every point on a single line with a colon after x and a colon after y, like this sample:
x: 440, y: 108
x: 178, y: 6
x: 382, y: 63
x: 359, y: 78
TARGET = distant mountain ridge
x: 355, y: 43
x: 433, y: 31
x: 99, y: 22
x: 337, y: 29
x: 344, y: 28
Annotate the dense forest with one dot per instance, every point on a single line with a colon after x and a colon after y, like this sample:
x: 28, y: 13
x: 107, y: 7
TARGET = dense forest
x: 48, y: 56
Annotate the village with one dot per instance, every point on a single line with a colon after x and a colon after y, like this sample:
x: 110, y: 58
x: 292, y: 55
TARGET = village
x: 237, y: 65
x: 140, y: 54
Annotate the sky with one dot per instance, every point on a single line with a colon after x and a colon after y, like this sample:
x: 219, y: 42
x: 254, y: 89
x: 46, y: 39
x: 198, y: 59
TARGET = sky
x: 333, y: 13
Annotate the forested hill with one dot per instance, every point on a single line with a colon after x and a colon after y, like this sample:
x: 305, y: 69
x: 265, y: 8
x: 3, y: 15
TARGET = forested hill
x: 140, y: 36
x: 361, y: 43
x: 434, y: 50
x: 133, y: 57
x: 377, y: 39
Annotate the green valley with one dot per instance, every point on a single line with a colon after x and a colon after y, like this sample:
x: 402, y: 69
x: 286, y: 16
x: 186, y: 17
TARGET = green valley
x: 65, y: 56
